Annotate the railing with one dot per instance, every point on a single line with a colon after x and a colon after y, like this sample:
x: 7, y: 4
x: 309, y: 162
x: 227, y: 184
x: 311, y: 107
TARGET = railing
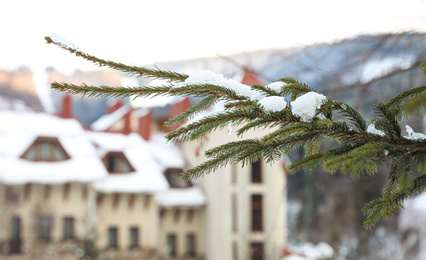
x: 196, y: 257
x: 12, y: 246
x: 15, y: 246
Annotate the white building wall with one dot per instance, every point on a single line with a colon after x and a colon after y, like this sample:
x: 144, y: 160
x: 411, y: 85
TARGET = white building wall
x: 221, y: 240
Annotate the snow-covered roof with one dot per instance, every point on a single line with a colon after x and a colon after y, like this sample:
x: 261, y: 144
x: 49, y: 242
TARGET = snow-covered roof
x: 107, y: 120
x: 149, y: 160
x: 18, y: 131
x: 148, y: 175
x: 182, y: 197
x: 166, y: 154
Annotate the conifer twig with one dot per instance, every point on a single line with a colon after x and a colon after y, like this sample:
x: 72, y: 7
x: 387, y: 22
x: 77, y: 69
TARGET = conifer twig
x: 133, y: 70
x: 355, y: 151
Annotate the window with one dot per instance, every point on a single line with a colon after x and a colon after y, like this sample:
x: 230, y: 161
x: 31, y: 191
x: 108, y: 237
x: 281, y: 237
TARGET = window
x: 234, y: 251
x: 134, y: 237
x: 68, y: 227
x: 112, y: 237
x: 45, y: 228
x: 256, y: 251
x: 190, y: 245
x: 256, y: 212
x: 173, y: 177
x: 256, y: 172
x: 116, y: 162
x: 234, y: 210
x: 15, y: 235
x: 45, y: 149
x: 171, y: 245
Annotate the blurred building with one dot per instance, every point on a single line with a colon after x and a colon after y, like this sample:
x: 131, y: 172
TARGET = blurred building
x: 118, y: 184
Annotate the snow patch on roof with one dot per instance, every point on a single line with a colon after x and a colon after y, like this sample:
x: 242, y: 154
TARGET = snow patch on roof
x: 166, y: 154
x: 182, y: 197
x: 20, y: 129
x: 107, y: 120
x: 148, y: 175
x: 13, y: 104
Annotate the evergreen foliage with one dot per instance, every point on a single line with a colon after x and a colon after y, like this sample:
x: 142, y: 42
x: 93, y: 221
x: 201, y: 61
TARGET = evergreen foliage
x: 356, y: 150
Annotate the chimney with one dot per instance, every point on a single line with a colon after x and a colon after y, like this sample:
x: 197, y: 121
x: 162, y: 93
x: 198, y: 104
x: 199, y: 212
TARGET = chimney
x: 113, y: 105
x: 145, y: 119
x: 67, y: 107
x: 177, y: 108
x: 250, y: 78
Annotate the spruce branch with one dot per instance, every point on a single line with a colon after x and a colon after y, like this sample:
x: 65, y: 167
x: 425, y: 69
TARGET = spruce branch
x: 410, y: 93
x: 133, y: 70
x: 107, y: 91
x: 353, y: 115
x: 202, y: 90
x: 387, y: 121
x: 295, y: 88
x: 265, y: 90
x: 189, y: 113
x: 355, y: 149
x: 257, y: 123
x: 220, y: 157
x: 415, y: 104
x: 198, y: 129
x: 243, y: 104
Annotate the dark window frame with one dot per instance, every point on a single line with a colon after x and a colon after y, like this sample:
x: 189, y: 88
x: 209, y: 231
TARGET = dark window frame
x: 68, y: 228
x: 15, y: 240
x: 173, y: 178
x: 38, y: 156
x: 257, y: 251
x: 256, y: 172
x: 45, y: 227
x: 113, y: 237
x: 257, y: 212
x: 191, y: 245
x: 134, y: 237
x: 173, y: 250
x: 108, y: 162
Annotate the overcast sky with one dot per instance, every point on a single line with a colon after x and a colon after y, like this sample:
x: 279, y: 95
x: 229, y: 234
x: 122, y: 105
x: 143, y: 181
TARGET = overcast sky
x: 144, y: 32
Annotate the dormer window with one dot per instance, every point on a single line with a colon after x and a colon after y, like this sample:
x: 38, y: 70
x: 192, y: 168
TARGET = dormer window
x: 116, y: 162
x: 45, y: 149
x: 175, y: 181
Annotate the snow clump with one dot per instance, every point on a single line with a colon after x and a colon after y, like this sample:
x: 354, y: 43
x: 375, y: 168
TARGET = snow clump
x: 57, y: 38
x: 413, y: 135
x: 273, y: 104
x: 306, y: 105
x: 209, y: 77
x: 277, y: 86
x: 372, y: 130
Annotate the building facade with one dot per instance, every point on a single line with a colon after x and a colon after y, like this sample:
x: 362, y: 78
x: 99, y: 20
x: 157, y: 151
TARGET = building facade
x: 114, y: 192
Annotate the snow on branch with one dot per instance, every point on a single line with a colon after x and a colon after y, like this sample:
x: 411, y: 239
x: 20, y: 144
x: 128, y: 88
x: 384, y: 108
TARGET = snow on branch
x: 303, y: 123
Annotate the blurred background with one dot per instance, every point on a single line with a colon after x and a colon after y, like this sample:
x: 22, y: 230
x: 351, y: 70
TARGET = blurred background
x: 358, y: 51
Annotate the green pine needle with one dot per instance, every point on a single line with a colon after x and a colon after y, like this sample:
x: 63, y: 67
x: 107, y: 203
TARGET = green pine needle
x: 355, y: 151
